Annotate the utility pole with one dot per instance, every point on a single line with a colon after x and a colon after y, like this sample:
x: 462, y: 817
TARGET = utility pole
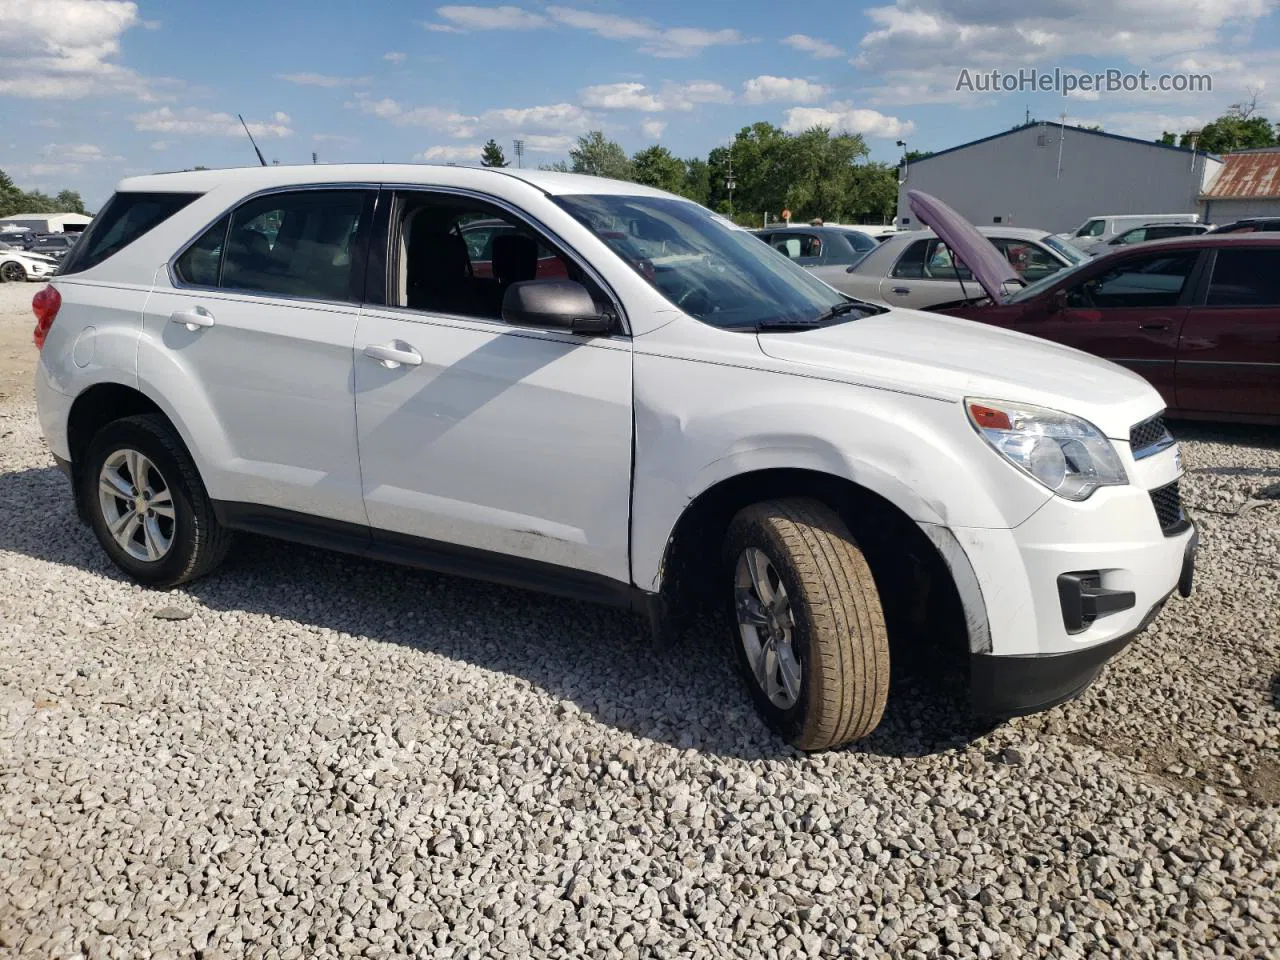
x: 729, y: 181
x: 313, y: 156
x: 519, y: 148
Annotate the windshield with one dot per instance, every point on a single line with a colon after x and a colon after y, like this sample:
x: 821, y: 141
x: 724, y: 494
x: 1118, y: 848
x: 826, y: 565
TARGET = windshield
x: 1072, y: 253
x: 1034, y: 289
x: 704, y: 264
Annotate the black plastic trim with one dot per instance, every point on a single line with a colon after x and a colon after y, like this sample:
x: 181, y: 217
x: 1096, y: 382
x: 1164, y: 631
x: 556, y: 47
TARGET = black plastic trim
x: 1011, y: 686
x: 1084, y: 599
x: 433, y: 555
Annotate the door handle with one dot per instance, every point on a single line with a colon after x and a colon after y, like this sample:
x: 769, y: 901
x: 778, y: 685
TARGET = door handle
x: 392, y: 356
x: 902, y: 290
x: 1153, y: 326
x: 192, y: 319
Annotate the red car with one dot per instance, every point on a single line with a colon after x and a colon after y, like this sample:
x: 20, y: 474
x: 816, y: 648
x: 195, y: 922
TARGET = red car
x: 479, y: 235
x: 1198, y: 316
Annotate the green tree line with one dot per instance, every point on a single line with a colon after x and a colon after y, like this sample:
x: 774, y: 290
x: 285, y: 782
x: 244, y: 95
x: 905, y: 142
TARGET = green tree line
x: 814, y: 174
x: 16, y: 200
x: 1240, y: 128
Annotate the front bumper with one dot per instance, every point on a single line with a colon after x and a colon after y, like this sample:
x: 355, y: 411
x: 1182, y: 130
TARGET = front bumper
x: 1006, y: 686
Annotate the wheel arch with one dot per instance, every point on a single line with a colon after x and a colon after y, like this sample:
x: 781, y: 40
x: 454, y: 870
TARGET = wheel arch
x: 921, y: 595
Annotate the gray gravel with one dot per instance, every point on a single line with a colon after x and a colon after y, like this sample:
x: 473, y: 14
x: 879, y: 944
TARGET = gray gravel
x: 314, y: 756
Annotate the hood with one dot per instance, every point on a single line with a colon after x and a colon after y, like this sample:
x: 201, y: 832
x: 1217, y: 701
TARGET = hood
x: 949, y: 358
x: 988, y: 264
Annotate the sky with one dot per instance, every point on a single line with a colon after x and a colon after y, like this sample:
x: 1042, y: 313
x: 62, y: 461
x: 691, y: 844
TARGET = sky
x: 95, y: 90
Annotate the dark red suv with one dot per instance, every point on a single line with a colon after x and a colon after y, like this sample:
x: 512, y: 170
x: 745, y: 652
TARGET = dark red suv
x: 1199, y: 317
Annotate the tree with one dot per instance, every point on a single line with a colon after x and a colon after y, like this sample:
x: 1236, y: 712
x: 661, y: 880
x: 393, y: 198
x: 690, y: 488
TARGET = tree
x: 599, y: 156
x: 1168, y: 139
x: 1239, y: 128
x: 69, y: 201
x: 875, y: 192
x: 492, y: 155
x: 656, y: 167
x: 697, y: 181
x: 911, y: 156
x: 558, y: 167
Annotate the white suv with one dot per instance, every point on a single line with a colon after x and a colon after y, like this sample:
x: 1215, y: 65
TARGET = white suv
x: 631, y: 401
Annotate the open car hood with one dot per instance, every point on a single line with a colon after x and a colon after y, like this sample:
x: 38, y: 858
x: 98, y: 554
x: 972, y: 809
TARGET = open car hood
x: 987, y: 263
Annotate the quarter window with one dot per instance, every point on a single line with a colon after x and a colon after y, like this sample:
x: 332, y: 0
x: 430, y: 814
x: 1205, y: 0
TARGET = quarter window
x: 1245, y: 278
x: 199, y: 265
x: 125, y: 218
x: 302, y: 244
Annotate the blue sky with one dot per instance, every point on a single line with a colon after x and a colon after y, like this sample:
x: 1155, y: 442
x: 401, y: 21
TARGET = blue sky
x: 93, y: 90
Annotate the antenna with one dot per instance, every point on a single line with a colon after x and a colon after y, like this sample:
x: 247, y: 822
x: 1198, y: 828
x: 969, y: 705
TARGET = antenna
x: 261, y: 159
x: 519, y: 145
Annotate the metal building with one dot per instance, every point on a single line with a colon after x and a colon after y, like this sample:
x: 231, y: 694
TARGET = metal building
x: 1248, y: 185
x: 1055, y: 176
x: 47, y: 222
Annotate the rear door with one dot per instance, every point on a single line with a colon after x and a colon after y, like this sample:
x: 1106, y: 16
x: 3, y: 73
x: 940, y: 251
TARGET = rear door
x: 253, y: 334
x: 1229, y: 350
x: 926, y: 274
x: 1130, y: 313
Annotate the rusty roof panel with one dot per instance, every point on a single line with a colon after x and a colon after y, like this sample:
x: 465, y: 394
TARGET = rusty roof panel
x: 1246, y: 175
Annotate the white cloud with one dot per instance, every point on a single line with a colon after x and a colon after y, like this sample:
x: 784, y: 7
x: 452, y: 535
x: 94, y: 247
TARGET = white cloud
x: 74, y: 152
x: 667, y: 42
x: 555, y: 118
x: 766, y: 89
x: 462, y: 18
x: 621, y: 96
x: 200, y: 122
x: 460, y: 153
x: 1148, y: 125
x: 48, y: 122
x: 544, y: 143
x: 636, y: 96
x: 395, y: 56
x: 653, y: 128
x: 66, y: 49
x: 334, y: 138
x: 818, y: 49
x: 161, y: 145
x: 842, y: 117
x: 321, y: 80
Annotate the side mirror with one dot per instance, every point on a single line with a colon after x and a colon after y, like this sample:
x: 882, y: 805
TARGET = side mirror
x: 554, y: 305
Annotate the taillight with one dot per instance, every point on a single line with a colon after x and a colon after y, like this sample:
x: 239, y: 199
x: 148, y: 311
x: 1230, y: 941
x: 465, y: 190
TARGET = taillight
x: 45, y: 306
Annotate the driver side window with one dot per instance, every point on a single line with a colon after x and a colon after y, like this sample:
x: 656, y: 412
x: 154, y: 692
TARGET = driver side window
x: 1156, y: 280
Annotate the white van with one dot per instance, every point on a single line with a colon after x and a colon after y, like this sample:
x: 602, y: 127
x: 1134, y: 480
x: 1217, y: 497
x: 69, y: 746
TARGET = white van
x: 1100, y: 229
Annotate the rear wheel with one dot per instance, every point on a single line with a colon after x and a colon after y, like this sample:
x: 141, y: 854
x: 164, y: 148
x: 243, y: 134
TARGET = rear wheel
x: 12, y: 272
x: 147, y: 504
x: 811, y: 641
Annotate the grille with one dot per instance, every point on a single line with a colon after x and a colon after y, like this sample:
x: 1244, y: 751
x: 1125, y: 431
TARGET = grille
x: 1168, y: 504
x: 1148, y: 437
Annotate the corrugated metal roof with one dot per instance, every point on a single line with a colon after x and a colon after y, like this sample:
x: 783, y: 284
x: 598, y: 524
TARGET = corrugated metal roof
x: 1246, y: 175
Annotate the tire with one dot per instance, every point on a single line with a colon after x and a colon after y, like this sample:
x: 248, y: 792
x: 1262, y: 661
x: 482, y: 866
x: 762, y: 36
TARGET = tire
x: 837, y: 641
x: 192, y: 540
x: 12, y: 272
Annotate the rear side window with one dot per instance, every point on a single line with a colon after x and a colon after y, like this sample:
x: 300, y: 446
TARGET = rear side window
x: 125, y: 218
x: 798, y: 246
x: 306, y: 243
x: 1245, y: 278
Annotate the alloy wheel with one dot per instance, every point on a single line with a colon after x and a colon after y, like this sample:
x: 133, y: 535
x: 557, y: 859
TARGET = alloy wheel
x: 137, y: 505
x: 767, y: 628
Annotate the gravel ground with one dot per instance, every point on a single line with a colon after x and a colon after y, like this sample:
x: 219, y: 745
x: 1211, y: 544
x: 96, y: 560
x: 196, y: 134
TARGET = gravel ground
x: 314, y: 756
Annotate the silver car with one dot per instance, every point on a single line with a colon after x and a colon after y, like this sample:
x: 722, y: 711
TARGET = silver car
x: 828, y: 252
x: 915, y: 269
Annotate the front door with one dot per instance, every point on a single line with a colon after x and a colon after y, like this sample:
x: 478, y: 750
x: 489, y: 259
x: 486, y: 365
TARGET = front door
x: 1131, y: 314
x: 252, y: 343
x: 1229, y: 352
x: 480, y: 435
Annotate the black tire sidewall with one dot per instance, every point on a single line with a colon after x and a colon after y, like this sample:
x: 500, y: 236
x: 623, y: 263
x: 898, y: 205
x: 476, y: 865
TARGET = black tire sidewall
x: 19, y: 274
x: 788, y: 722
x: 130, y: 434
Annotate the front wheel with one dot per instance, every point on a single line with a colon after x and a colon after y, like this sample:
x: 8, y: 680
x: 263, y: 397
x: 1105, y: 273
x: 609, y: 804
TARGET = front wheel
x: 12, y: 272
x: 811, y: 641
x: 147, y: 504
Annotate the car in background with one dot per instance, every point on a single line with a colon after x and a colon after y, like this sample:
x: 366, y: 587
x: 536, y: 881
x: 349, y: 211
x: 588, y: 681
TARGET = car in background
x: 827, y: 252
x: 915, y: 268
x: 1100, y: 229
x: 55, y: 245
x: 480, y: 236
x: 1250, y: 225
x: 19, y: 265
x: 1149, y: 231
x: 1198, y: 317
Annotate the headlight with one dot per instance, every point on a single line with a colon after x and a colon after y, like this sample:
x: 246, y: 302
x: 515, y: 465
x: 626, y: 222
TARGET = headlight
x: 1070, y: 456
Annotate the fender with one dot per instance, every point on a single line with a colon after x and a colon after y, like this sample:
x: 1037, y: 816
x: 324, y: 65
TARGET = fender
x: 732, y: 421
